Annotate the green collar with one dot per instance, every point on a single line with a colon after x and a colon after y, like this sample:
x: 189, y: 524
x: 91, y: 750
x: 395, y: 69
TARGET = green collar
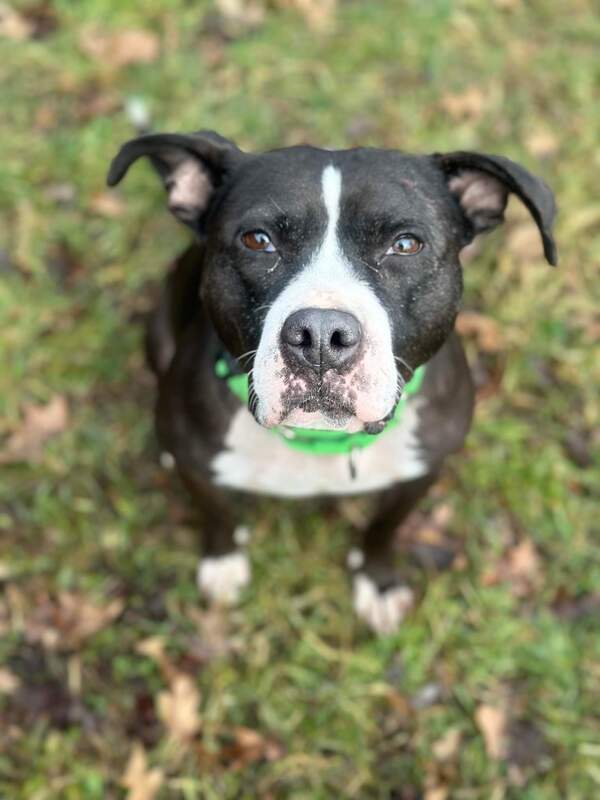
x: 315, y: 441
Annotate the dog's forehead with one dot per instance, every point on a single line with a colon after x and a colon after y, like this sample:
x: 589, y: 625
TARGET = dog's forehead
x: 375, y: 180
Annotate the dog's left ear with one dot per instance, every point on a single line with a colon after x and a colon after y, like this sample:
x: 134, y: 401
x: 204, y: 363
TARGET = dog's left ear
x: 191, y: 166
x: 482, y: 183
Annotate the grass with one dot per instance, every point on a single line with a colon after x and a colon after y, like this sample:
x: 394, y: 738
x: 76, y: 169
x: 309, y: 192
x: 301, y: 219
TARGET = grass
x: 335, y: 712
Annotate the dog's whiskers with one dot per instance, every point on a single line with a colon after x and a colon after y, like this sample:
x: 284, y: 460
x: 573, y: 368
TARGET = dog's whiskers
x: 247, y: 355
x: 405, y: 364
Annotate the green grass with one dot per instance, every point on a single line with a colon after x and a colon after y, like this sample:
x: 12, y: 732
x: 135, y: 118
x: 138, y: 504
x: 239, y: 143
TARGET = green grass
x: 348, y: 714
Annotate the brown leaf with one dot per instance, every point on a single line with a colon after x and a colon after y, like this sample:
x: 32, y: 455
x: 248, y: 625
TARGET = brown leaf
x: 318, y: 14
x: 519, y: 567
x: 466, y: 105
x: 107, y: 204
x: 484, y: 330
x: 65, y: 623
x: 446, y: 748
x: 178, y: 709
x: 119, y: 48
x: 14, y: 25
x: 541, y: 143
x: 249, y: 746
x: 141, y: 782
x: 492, y: 722
x: 40, y: 422
x: 240, y: 16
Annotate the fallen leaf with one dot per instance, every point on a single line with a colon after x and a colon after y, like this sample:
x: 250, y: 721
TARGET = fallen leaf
x: 65, y: 622
x: 541, y: 143
x: 14, y: 25
x: 119, y: 48
x: 492, y: 722
x: 40, y: 422
x: 9, y: 682
x: 466, y: 105
x: 484, y: 330
x: 318, y: 14
x: 519, y: 567
x: 239, y: 16
x: 177, y: 707
x: 141, y: 782
x: 154, y: 647
x: 107, y: 204
x: 435, y: 793
x: 248, y: 746
x: 446, y: 748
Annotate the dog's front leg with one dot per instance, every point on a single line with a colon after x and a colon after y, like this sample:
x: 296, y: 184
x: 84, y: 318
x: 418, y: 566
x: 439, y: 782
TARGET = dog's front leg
x: 224, y: 568
x: 380, y: 597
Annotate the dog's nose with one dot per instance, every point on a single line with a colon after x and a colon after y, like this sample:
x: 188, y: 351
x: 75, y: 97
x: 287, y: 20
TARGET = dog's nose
x: 321, y: 339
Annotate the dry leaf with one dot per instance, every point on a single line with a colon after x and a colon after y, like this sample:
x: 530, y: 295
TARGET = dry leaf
x: 520, y: 567
x: 40, y: 422
x: 142, y: 783
x: 492, y: 722
x: 107, y: 204
x: 9, y: 682
x: 446, y: 748
x: 467, y: 105
x: 436, y: 793
x: 13, y: 25
x: 318, y: 14
x: 64, y: 623
x: 178, y: 709
x: 240, y: 15
x: 484, y: 330
x: 541, y: 143
x: 249, y: 746
x: 119, y: 48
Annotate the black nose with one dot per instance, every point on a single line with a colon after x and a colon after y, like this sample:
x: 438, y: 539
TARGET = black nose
x: 321, y: 339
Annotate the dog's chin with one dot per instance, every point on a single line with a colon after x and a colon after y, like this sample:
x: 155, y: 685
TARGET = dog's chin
x: 322, y: 421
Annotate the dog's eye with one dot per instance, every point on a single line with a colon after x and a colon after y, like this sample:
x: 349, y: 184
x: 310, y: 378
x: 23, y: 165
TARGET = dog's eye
x: 405, y: 245
x: 258, y: 240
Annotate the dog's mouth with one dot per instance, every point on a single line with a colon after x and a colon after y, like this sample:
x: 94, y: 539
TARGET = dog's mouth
x: 322, y: 407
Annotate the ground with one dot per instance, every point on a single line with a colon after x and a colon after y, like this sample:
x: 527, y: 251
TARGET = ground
x: 114, y: 679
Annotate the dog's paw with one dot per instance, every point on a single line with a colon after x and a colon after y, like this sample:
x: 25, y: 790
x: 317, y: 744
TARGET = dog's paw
x: 382, y: 610
x: 221, y: 579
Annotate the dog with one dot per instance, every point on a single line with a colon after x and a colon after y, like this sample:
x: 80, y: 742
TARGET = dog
x: 304, y: 344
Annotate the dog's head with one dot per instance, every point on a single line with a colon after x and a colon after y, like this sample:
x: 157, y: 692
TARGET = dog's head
x: 332, y: 275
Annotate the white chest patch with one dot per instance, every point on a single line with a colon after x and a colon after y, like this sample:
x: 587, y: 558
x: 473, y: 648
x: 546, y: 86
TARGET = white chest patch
x: 257, y: 460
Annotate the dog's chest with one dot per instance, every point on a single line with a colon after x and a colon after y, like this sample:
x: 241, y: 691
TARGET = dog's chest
x: 258, y: 460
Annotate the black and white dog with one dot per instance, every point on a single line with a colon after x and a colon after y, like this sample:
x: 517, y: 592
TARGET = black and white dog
x: 323, y: 289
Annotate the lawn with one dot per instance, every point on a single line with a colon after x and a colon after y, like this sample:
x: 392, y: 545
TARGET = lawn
x: 115, y: 680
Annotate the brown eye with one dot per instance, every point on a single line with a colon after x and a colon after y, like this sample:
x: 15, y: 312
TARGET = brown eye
x: 405, y: 245
x: 258, y: 240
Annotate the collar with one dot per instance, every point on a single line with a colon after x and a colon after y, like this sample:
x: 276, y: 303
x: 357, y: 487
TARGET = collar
x: 312, y: 441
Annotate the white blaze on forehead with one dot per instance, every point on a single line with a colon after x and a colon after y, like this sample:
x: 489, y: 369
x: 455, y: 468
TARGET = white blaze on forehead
x: 329, y: 281
x: 332, y: 191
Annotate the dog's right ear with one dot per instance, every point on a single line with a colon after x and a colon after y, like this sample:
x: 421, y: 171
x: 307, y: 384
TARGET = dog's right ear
x: 191, y: 166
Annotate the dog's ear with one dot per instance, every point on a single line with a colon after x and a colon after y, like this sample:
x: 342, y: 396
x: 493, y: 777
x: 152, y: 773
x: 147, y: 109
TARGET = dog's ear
x: 191, y: 166
x: 481, y: 184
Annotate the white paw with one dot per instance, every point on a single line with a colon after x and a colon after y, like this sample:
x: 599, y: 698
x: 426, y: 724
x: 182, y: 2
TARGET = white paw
x: 222, y: 579
x: 382, y: 611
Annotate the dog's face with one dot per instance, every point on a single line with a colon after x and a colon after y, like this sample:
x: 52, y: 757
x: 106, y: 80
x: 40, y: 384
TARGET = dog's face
x: 332, y: 275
